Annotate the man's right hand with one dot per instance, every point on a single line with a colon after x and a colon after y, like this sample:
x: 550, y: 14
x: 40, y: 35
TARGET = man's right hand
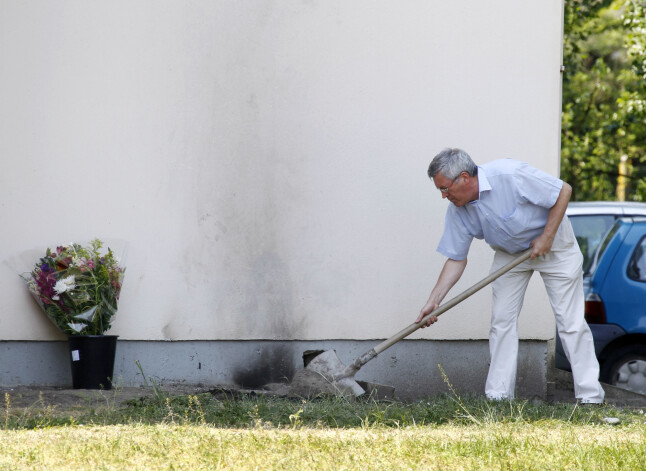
x: 450, y: 274
x: 426, y: 310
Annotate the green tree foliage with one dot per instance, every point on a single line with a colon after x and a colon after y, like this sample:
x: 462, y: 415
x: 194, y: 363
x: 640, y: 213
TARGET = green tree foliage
x: 603, y: 141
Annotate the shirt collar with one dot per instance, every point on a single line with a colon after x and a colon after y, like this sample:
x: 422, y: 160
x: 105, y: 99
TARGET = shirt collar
x: 483, y: 184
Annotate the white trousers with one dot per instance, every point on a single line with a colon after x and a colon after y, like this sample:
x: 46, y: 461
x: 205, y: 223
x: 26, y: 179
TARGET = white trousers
x: 562, y: 276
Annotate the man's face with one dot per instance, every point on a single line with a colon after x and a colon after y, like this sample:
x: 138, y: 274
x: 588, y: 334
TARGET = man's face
x: 456, y: 191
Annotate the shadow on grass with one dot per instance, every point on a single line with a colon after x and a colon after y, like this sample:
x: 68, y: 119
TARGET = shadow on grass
x: 234, y: 409
x: 219, y: 408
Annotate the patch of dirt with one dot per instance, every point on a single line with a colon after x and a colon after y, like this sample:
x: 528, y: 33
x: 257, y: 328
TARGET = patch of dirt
x: 62, y: 402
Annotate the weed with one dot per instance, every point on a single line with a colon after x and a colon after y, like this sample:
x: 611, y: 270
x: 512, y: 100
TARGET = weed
x: 7, y: 409
x: 195, y: 409
x: 158, y: 394
x: 456, y: 397
x: 170, y: 415
x: 295, y: 419
x: 255, y: 416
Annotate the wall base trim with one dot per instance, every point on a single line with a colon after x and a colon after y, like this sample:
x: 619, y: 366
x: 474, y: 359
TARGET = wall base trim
x: 411, y: 366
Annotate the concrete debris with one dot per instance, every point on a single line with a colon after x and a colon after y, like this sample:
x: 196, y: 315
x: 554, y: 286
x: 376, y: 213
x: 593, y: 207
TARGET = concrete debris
x: 611, y: 420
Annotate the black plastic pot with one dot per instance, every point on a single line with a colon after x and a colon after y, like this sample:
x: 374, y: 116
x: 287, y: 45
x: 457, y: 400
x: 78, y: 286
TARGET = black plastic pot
x: 92, y: 358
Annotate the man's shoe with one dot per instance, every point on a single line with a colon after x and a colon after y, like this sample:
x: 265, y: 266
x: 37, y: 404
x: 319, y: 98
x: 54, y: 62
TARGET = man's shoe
x: 591, y: 404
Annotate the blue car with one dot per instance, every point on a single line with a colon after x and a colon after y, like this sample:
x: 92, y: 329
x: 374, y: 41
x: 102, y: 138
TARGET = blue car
x: 615, y: 285
x: 591, y: 220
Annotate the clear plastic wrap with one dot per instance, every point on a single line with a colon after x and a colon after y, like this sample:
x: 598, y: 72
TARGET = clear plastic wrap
x: 78, y: 287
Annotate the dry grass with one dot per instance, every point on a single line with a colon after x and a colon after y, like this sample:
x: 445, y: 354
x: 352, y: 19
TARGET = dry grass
x: 168, y: 446
x: 225, y: 432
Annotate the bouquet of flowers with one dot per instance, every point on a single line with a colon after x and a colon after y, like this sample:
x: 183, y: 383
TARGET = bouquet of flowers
x: 78, y: 287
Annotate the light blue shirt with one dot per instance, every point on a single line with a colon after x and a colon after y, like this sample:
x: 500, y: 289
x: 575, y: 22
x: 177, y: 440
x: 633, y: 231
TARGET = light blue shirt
x: 511, y: 211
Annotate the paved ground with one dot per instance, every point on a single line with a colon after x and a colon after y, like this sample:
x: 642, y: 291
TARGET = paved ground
x: 65, y: 402
x: 564, y: 392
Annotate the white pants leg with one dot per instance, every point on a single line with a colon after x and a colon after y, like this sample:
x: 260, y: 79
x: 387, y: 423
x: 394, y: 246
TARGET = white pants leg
x: 508, y: 295
x: 561, y: 273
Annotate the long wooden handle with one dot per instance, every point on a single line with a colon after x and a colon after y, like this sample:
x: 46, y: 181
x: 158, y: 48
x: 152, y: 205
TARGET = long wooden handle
x: 453, y: 302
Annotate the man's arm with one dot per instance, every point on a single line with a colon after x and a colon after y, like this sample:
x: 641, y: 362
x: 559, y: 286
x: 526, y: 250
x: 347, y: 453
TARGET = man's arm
x: 449, y: 276
x: 543, y: 243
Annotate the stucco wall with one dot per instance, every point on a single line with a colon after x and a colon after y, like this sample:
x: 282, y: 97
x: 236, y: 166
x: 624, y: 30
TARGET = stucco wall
x: 264, y: 161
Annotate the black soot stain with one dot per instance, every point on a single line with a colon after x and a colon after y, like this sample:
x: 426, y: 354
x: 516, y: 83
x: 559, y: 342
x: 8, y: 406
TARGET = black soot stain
x: 274, y: 365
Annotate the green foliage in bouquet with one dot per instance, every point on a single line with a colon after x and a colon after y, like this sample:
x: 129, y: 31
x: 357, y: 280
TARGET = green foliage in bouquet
x: 78, y: 287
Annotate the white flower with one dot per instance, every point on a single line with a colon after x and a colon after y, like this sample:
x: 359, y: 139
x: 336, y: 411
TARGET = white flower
x: 65, y: 284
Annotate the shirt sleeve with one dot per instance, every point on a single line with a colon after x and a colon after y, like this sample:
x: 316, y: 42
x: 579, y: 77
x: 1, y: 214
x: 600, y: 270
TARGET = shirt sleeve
x: 456, y: 239
x: 536, y: 186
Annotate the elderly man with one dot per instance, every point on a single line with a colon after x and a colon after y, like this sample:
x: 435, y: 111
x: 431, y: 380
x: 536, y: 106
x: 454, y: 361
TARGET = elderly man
x: 513, y: 206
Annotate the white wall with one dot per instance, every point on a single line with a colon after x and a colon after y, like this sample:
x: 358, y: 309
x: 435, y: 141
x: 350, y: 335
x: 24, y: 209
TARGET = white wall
x: 265, y: 160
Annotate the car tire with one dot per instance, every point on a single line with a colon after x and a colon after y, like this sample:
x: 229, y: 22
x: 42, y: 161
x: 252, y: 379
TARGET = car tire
x: 626, y: 368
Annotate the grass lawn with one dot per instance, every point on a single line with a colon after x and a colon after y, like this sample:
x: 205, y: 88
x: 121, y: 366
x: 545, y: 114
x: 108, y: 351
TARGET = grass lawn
x: 209, y: 432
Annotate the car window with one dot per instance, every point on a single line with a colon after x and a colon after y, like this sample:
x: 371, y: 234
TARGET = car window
x: 602, y: 248
x: 589, y: 230
x: 637, y: 264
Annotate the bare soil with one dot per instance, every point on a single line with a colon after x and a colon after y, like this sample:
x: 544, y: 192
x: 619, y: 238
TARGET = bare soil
x: 71, y: 402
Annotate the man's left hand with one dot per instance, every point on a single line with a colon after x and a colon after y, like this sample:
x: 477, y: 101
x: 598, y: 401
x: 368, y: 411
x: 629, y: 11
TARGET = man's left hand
x: 541, y: 245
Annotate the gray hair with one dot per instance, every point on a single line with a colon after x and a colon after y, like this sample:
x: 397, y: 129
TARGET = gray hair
x: 452, y: 162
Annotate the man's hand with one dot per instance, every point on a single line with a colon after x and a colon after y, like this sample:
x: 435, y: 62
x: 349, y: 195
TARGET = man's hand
x: 426, y: 310
x: 541, y: 245
x: 450, y: 274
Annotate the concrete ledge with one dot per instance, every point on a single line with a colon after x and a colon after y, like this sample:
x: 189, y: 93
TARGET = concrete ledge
x: 564, y: 391
x: 410, y: 366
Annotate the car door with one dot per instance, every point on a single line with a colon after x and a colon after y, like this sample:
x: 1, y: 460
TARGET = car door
x: 624, y: 286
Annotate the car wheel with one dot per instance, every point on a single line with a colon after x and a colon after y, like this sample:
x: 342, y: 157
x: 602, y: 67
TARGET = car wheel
x: 626, y: 368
